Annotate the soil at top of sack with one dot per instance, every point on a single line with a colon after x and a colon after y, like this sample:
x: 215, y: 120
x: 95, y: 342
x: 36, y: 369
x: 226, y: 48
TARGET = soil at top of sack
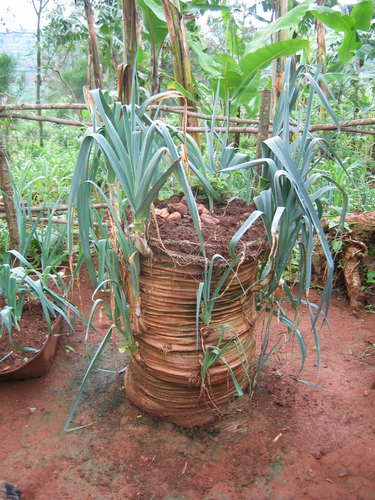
x: 179, y: 236
x: 33, y: 332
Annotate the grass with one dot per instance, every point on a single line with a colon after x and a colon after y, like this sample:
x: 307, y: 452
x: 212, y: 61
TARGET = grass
x: 50, y: 169
x: 357, y: 181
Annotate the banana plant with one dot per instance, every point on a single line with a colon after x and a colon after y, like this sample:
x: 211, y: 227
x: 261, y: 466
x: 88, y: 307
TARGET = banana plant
x: 155, y: 31
x: 240, y: 81
x: 358, y: 20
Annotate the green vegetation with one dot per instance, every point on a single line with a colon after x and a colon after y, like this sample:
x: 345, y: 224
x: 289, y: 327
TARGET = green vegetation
x: 7, y: 71
x: 32, y: 272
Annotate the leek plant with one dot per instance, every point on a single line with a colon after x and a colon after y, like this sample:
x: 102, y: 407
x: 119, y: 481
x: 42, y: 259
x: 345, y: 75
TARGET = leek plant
x: 140, y: 153
x: 219, y: 156
x: 110, y: 261
x: 213, y: 353
x: 204, y: 289
x: 30, y: 273
x: 21, y: 282
x: 291, y: 209
x: 41, y: 241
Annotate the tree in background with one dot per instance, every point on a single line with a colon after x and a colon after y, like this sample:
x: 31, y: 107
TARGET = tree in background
x: 280, y: 9
x: 125, y: 71
x: 10, y: 211
x: 76, y: 75
x: 109, y: 38
x: 321, y: 42
x: 154, y: 33
x: 94, y: 62
x: 7, y: 71
x: 64, y: 57
x: 39, y: 6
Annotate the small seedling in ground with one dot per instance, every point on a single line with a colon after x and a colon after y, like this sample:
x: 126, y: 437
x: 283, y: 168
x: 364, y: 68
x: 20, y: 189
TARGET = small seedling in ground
x: 69, y: 349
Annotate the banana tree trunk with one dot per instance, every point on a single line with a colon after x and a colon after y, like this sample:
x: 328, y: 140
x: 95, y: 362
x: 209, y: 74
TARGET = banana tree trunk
x: 129, y: 33
x: 93, y: 47
x: 155, y: 81
x: 356, y: 255
x: 281, y: 8
x: 321, y: 40
x: 10, y: 212
x: 180, y: 53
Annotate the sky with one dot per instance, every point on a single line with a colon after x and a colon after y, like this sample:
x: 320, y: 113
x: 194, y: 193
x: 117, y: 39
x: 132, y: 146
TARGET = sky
x: 21, y: 13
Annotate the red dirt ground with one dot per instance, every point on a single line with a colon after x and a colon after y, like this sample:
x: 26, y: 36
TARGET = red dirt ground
x: 290, y: 442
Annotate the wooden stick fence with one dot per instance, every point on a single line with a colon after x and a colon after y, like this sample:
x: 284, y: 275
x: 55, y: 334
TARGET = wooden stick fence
x: 56, y: 220
x: 10, y: 111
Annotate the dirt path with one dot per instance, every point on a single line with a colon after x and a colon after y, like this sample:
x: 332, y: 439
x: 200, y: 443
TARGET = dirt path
x: 290, y: 442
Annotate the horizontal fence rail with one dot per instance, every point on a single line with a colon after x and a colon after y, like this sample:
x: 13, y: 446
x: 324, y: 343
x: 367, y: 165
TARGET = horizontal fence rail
x: 11, y: 111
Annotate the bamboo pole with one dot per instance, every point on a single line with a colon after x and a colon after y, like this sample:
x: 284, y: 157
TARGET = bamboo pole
x: 50, y: 119
x: 345, y: 126
x: 73, y: 106
x: 57, y: 105
x: 60, y: 208
x: 171, y: 109
x: 167, y: 109
x: 231, y: 130
x: 55, y: 220
x: 9, y: 208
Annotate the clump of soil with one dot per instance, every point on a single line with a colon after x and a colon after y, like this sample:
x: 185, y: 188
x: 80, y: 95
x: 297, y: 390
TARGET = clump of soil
x: 180, y: 236
x: 32, y: 332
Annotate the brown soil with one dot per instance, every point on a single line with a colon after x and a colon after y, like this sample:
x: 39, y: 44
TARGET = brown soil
x: 32, y: 332
x: 181, y: 237
x: 290, y: 441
